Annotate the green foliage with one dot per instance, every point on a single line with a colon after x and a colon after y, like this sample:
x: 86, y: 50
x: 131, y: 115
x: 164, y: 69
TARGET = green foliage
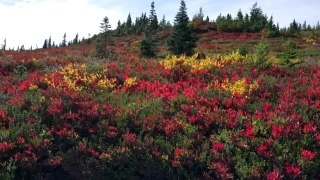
x: 261, y: 54
x: 103, y: 39
x: 290, y: 52
x: 153, y: 20
x: 147, y: 46
x: 64, y: 40
x: 181, y: 40
x: 294, y: 29
x: 7, y: 170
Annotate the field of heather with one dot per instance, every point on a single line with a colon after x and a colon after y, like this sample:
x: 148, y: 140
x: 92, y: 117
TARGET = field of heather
x: 65, y: 115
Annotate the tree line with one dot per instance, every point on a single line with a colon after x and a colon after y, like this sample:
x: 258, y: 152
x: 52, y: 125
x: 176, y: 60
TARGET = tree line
x: 181, y: 40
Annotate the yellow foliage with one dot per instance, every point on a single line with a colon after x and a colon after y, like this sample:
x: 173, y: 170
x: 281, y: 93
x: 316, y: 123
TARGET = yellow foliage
x: 193, y: 63
x: 77, y: 78
x: 240, y: 86
x: 131, y: 81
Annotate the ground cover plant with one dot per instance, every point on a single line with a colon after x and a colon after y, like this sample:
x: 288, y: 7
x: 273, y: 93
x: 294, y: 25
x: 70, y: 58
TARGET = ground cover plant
x: 231, y: 99
x: 222, y: 117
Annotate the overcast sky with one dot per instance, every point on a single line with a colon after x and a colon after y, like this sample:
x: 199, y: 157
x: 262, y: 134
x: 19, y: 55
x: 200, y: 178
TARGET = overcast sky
x: 30, y: 22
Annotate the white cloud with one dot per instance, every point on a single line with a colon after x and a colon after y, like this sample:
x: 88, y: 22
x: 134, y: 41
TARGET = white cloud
x: 30, y: 22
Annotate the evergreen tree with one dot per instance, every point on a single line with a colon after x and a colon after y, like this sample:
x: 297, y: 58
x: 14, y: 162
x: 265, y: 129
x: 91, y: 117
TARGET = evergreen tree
x: 304, y: 26
x: 64, y: 40
x: 318, y: 26
x: 147, y: 46
x: 240, y: 21
x: 45, y: 44
x: 118, y: 30
x: 199, y: 16
x: 129, y: 23
x: 294, y: 29
x: 257, y: 20
x: 76, y: 39
x: 207, y: 19
x: 181, y: 40
x: 153, y: 19
x: 101, y: 47
x: 22, y: 48
x: 163, y: 22
x: 49, y: 42
x: 4, y: 44
x: 246, y: 23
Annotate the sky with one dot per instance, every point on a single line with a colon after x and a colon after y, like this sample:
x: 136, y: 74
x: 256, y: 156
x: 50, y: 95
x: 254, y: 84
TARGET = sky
x: 30, y: 22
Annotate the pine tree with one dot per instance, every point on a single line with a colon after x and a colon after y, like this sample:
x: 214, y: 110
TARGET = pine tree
x: 64, y: 40
x: 294, y: 29
x: 101, y: 47
x: 45, y: 44
x: 163, y: 22
x: 199, y: 16
x: 49, y: 42
x: 257, y: 20
x: 153, y: 19
x: 76, y: 41
x: 304, y: 26
x: 129, y: 24
x: 147, y: 46
x: 181, y: 40
x: 4, y: 44
x: 240, y: 21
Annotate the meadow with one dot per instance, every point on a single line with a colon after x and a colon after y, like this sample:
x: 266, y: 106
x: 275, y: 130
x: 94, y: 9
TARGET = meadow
x: 244, y: 111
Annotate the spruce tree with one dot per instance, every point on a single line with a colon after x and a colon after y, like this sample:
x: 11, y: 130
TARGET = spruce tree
x: 181, y: 40
x: 101, y: 46
x: 129, y: 24
x: 148, y: 45
x: 153, y: 19
x: 4, y: 44
x: 64, y: 40
x: 76, y: 39
x: 49, y: 42
x: 45, y: 44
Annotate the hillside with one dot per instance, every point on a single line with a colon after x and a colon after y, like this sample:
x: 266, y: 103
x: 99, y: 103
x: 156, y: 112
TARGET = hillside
x: 65, y: 114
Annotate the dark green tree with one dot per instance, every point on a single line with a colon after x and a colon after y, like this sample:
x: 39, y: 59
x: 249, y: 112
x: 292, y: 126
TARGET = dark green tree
x: 153, y: 19
x: 76, y: 39
x: 45, y: 44
x: 101, y: 46
x: 129, y: 23
x: 294, y: 29
x: 147, y: 46
x: 181, y: 40
x: 64, y: 40
x: 49, y: 42
x: 258, y: 21
x: 199, y: 16
x: 4, y: 44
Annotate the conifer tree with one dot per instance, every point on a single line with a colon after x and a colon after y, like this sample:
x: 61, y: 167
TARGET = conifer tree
x: 64, y: 40
x: 49, y: 42
x: 129, y: 24
x: 4, y: 44
x: 199, y: 16
x: 45, y: 44
x: 153, y: 19
x: 75, y: 41
x: 181, y: 40
x: 148, y: 45
x: 101, y: 47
